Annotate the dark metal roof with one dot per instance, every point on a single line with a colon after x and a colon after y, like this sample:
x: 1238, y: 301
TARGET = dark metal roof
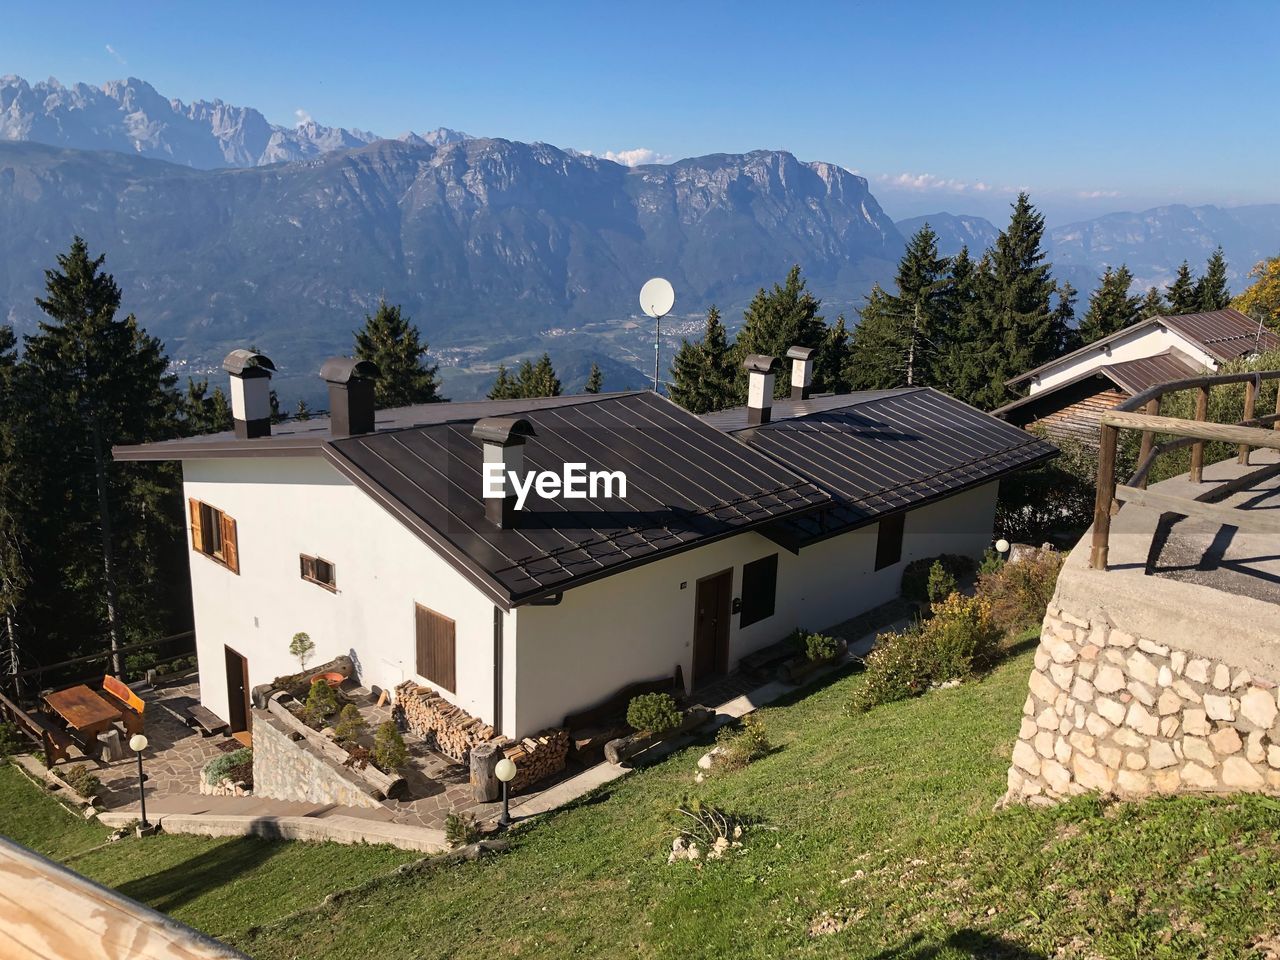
x: 735, y: 418
x: 687, y: 484
x: 1144, y: 373
x: 1224, y: 334
x: 883, y: 452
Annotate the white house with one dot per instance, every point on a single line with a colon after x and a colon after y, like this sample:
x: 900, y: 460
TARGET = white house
x: 1067, y: 395
x: 371, y: 533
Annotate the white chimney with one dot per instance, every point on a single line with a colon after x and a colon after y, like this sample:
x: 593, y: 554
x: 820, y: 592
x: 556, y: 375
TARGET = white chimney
x: 503, y: 439
x: 801, y: 371
x: 250, y: 392
x: 760, y: 374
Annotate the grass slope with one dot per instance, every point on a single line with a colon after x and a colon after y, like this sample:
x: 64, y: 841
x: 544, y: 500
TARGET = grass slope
x: 878, y: 840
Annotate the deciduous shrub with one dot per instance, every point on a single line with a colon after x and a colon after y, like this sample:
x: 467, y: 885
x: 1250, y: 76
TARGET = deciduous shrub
x: 739, y: 747
x: 959, y: 638
x: 322, y: 703
x: 461, y: 829
x: 236, y: 766
x: 653, y: 713
x: 389, y: 751
x: 1019, y: 592
x: 819, y: 646
x: 915, y: 575
x: 351, y: 724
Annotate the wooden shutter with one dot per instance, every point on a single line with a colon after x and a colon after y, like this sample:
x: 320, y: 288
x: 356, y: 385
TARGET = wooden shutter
x: 436, y: 648
x: 197, y: 531
x: 230, y: 552
x: 889, y: 540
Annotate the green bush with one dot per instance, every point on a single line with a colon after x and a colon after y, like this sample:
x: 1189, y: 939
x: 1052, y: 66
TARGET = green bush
x: 942, y: 583
x: 230, y: 766
x: 1018, y: 593
x: 915, y: 575
x: 351, y: 724
x: 461, y: 829
x: 991, y: 562
x: 82, y: 780
x: 10, y: 741
x: 818, y: 646
x: 739, y: 747
x: 653, y: 713
x: 958, y: 639
x: 389, y: 751
x: 322, y: 703
x: 301, y: 647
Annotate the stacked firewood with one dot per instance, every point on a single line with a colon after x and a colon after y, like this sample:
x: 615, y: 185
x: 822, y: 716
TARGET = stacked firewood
x: 537, y: 757
x: 446, y: 727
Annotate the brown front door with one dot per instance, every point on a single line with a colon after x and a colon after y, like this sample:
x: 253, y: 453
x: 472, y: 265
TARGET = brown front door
x: 711, y: 626
x: 237, y: 691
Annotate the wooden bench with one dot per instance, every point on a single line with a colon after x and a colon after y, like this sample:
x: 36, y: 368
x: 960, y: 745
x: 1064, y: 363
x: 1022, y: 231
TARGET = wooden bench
x: 131, y: 706
x: 52, y: 739
x: 206, y: 720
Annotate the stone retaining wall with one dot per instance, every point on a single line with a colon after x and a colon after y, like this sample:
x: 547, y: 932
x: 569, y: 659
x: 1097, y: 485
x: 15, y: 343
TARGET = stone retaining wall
x: 1116, y: 713
x: 288, y: 769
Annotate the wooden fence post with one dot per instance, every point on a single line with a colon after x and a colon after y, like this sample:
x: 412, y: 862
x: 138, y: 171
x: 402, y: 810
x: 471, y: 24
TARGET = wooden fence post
x: 1107, y: 438
x: 1250, y: 400
x: 1197, y: 449
x: 1148, y: 436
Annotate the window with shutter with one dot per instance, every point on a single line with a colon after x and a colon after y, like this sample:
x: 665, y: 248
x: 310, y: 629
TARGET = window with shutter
x: 319, y: 571
x: 759, y: 590
x: 213, y: 533
x: 436, y: 648
x: 889, y: 540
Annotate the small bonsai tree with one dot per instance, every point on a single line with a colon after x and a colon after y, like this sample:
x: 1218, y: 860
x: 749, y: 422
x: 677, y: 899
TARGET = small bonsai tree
x: 302, y: 648
x: 942, y: 582
x: 461, y: 829
x: 653, y: 713
x: 389, y: 751
x: 819, y: 646
x: 82, y: 781
x: 322, y: 703
x: 351, y: 724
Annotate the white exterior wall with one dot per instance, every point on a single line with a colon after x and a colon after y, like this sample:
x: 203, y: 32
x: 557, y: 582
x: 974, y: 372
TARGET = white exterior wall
x: 638, y: 625
x: 1142, y: 342
x: 284, y: 507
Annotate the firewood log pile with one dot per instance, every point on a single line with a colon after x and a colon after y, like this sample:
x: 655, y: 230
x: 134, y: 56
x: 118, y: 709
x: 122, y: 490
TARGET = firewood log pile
x: 446, y: 727
x: 538, y: 756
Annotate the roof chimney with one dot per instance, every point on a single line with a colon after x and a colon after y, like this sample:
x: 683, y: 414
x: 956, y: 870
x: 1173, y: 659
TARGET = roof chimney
x: 350, y: 395
x: 250, y: 392
x: 503, y: 439
x: 760, y: 373
x: 801, y: 371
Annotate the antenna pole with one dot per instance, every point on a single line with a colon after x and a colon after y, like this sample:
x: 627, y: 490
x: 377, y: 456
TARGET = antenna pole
x: 657, y: 340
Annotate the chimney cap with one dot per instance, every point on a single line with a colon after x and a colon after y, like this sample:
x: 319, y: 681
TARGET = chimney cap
x: 760, y: 363
x: 800, y: 353
x: 346, y: 369
x: 247, y: 363
x: 503, y: 430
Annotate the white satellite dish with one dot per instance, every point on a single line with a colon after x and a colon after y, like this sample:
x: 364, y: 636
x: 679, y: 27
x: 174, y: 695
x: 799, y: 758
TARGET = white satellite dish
x: 657, y: 298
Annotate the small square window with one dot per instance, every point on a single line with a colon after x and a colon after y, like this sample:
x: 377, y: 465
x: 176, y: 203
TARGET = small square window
x: 889, y: 540
x: 319, y: 571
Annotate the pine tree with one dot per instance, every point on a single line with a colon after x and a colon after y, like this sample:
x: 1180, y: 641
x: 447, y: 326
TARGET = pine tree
x: 1111, y: 307
x: 777, y: 320
x: 529, y: 380
x: 1065, y: 316
x: 1182, y: 295
x: 504, y: 387
x: 393, y: 343
x: 963, y: 344
x: 595, y: 379
x: 302, y: 411
x: 204, y: 412
x: 544, y: 382
x: 13, y: 543
x: 88, y: 381
x: 1152, y: 305
x: 831, y: 364
x: 876, y: 359
x: 1211, y: 291
x: 703, y: 374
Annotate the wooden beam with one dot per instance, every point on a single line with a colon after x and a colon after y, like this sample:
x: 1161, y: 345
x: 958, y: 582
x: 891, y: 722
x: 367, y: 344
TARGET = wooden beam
x: 1108, y: 437
x: 1197, y: 450
x: 1148, y: 437
x: 1250, y: 399
x: 1223, y: 432
x: 1263, y: 521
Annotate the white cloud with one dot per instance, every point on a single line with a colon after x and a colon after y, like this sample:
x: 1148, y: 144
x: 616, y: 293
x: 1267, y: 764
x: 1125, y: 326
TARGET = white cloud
x: 303, y: 116
x: 633, y: 158
x: 928, y: 183
x: 1098, y: 194
x: 119, y: 59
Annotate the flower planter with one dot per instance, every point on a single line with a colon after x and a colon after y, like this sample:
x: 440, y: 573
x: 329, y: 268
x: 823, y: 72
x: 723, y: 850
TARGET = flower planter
x: 799, y: 669
x: 332, y: 678
x: 624, y: 748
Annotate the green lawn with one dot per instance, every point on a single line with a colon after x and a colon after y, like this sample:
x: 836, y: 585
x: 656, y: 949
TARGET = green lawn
x: 877, y: 840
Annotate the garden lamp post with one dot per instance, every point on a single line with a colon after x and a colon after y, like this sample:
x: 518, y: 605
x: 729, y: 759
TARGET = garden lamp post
x: 506, y: 772
x: 1002, y: 546
x: 138, y: 743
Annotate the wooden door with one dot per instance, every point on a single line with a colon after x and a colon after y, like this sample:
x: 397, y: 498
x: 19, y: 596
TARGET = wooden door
x: 711, y: 626
x: 237, y: 691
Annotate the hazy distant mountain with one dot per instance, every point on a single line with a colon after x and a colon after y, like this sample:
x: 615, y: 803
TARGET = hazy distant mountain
x: 131, y: 117
x: 479, y: 239
x: 954, y: 231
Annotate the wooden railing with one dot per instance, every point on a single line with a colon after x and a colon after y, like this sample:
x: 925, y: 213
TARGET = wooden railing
x: 1252, y: 431
x: 91, y: 666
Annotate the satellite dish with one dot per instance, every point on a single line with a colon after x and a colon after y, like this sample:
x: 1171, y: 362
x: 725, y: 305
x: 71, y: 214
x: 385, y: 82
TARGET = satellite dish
x: 657, y: 298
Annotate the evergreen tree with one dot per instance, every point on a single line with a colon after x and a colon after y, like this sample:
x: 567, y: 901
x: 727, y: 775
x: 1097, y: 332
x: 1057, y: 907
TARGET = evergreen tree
x: 1018, y: 295
x: 1211, y: 291
x: 1065, y: 316
x: 963, y: 346
x: 88, y: 380
x: 530, y: 380
x: 13, y: 545
x: 1111, y: 307
x: 1152, y: 305
x: 393, y: 343
x: 703, y: 374
x: 302, y: 411
x: 595, y: 379
x: 1182, y: 295
x: 876, y: 358
x: 832, y: 361
x: 204, y: 412
x: 777, y: 320
x: 504, y: 387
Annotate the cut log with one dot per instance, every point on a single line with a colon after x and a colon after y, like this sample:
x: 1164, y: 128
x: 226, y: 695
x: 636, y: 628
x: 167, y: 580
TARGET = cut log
x: 624, y: 748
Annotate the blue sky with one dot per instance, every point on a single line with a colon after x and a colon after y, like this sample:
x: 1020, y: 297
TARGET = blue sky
x: 942, y: 106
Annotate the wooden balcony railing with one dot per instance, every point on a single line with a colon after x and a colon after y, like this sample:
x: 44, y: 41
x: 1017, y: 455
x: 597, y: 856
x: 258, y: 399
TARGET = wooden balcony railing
x: 1252, y: 431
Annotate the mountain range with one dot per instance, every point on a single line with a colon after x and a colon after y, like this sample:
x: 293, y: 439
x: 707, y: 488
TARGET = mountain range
x: 224, y: 229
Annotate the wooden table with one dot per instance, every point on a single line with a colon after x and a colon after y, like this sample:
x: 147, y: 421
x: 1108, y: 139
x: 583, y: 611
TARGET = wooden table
x: 85, y: 713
